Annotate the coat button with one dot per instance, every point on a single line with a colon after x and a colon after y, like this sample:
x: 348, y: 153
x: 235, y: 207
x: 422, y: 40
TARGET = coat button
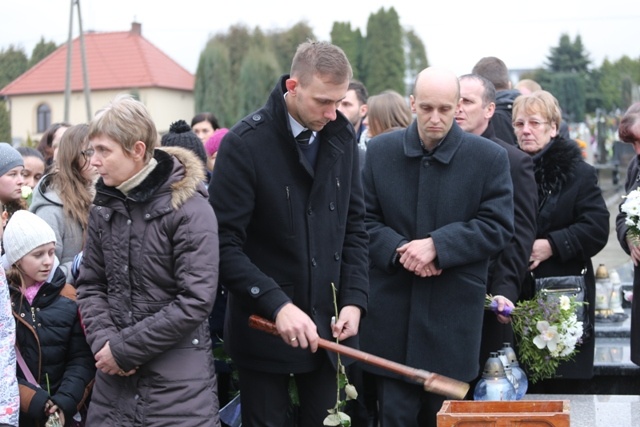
x: 256, y: 117
x: 147, y: 216
x: 309, y: 211
x: 254, y: 290
x: 128, y: 222
x: 332, y: 206
x: 313, y: 262
x: 336, y: 256
x: 195, y: 341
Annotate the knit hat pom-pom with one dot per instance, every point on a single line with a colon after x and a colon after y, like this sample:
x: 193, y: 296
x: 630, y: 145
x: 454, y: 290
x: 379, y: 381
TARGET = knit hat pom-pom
x: 179, y: 126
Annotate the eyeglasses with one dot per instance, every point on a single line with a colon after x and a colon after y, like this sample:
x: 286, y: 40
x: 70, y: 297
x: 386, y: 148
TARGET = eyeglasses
x: 533, y: 124
x: 88, y: 153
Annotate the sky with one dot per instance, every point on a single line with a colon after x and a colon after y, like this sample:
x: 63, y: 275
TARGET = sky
x: 456, y: 34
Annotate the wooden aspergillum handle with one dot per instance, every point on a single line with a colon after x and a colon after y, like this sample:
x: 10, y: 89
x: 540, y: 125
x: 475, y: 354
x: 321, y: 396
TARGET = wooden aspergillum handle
x: 433, y: 383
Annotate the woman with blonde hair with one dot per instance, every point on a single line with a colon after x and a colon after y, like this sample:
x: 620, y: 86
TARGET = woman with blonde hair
x: 572, y: 220
x: 63, y: 197
x: 387, y: 111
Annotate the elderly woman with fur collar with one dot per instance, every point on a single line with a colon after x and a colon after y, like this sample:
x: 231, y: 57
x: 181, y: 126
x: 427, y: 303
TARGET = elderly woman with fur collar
x: 572, y: 220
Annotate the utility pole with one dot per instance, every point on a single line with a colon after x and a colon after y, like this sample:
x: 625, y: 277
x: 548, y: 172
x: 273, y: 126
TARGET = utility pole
x: 85, y: 76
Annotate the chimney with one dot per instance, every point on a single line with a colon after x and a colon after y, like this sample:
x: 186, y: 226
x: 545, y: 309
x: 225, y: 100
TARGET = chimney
x: 136, y: 28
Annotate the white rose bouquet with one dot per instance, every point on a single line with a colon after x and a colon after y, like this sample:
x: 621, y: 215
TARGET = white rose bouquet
x: 631, y: 208
x: 547, y: 332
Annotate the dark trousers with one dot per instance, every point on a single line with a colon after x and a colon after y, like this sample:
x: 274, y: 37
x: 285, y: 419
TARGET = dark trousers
x: 265, y: 397
x: 402, y: 404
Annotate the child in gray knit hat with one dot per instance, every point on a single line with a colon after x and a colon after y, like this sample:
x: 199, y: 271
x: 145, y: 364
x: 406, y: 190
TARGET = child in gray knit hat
x: 11, y: 180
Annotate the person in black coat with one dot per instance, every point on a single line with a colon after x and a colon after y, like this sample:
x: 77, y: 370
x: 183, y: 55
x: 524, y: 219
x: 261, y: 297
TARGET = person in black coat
x: 572, y: 220
x: 508, y: 268
x: 49, y: 337
x: 435, y: 217
x: 291, y: 223
x: 629, y: 132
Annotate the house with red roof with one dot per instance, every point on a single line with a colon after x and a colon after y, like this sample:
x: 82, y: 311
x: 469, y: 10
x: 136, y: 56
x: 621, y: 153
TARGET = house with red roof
x: 116, y: 62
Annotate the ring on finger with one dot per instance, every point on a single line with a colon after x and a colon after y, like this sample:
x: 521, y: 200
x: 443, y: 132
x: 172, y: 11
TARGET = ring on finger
x: 293, y: 339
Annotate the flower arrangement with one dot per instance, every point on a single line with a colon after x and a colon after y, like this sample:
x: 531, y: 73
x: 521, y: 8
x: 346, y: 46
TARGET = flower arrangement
x: 631, y: 208
x: 547, y: 332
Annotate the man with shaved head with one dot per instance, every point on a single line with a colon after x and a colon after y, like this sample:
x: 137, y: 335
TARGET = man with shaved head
x: 439, y: 205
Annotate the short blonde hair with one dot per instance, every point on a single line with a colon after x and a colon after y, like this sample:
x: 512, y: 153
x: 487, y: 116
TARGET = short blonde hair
x: 528, y: 84
x: 539, y: 102
x: 126, y: 120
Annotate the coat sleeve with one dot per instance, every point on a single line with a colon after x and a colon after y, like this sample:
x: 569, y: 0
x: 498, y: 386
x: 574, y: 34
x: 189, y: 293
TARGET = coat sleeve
x: 195, y: 250
x: 354, y: 277
x: 489, y: 229
x: 383, y: 239
x: 631, y: 184
x: 93, y: 299
x: 79, y: 372
x: 234, y: 184
x: 511, y: 265
x: 32, y: 400
x: 589, y: 232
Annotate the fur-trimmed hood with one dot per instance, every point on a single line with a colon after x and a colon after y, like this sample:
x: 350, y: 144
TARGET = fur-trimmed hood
x: 555, y: 165
x: 185, y: 176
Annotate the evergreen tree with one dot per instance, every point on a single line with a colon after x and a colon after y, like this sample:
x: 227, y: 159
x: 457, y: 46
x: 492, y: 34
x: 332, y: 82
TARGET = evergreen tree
x: 214, y: 87
x: 352, y: 42
x: 416, y: 55
x: 41, y: 51
x: 5, y: 122
x: 568, y: 88
x: 258, y: 74
x: 568, y: 57
x: 383, y: 60
x: 238, y: 40
x: 285, y: 43
x: 13, y: 62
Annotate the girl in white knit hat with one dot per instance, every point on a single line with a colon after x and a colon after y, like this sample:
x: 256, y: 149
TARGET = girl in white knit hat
x: 55, y: 363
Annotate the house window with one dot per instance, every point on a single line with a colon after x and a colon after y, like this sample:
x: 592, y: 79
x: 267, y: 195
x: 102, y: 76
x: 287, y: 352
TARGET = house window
x: 44, y: 117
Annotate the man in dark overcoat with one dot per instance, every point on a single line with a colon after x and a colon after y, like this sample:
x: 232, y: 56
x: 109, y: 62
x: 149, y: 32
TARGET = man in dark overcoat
x: 290, y: 210
x: 439, y: 205
x: 508, y: 268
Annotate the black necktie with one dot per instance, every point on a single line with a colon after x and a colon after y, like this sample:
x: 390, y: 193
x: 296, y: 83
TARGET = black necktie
x: 304, y: 137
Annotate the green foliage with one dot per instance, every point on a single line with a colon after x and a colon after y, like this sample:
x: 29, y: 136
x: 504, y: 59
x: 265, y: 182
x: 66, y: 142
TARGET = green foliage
x: 238, y: 69
x: 258, y: 75
x: 416, y: 56
x: 41, y: 51
x: 284, y: 44
x: 352, y: 42
x: 5, y: 122
x: 616, y: 81
x: 569, y: 90
x: 13, y: 63
x: 383, y: 60
x: 214, y: 87
x: 238, y: 40
x: 569, y: 57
